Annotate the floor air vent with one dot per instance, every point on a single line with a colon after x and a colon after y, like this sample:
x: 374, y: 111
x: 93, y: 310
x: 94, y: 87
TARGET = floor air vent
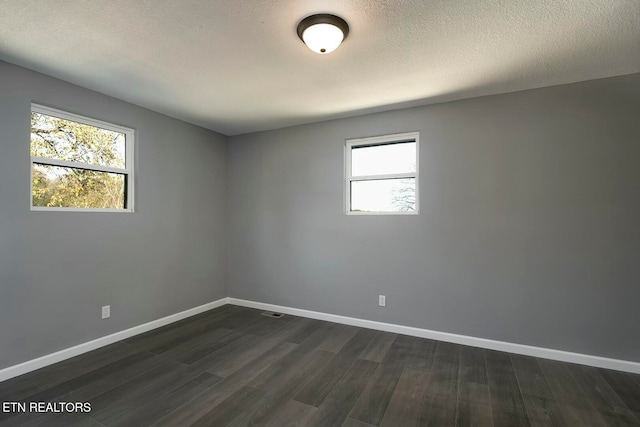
x: 272, y: 314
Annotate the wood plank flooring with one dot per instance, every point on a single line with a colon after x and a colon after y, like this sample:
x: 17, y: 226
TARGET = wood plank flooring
x: 234, y: 367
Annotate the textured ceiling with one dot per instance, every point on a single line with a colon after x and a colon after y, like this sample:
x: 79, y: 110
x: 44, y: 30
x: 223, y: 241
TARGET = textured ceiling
x: 237, y: 66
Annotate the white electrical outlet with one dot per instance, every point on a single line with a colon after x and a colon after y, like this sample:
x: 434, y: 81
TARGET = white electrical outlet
x: 106, y: 311
x: 382, y: 300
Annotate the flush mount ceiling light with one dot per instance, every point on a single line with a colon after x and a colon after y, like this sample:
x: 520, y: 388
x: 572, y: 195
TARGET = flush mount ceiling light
x: 323, y: 33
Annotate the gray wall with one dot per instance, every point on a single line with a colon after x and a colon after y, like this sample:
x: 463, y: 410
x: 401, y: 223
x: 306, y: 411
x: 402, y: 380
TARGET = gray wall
x: 529, y: 230
x: 529, y: 226
x: 58, y: 268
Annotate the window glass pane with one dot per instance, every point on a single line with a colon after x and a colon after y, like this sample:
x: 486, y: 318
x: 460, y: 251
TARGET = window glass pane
x: 384, y: 195
x: 383, y: 159
x: 62, y: 139
x: 56, y: 186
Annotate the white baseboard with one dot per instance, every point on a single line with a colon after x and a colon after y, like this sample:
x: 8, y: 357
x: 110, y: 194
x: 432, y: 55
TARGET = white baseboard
x: 58, y: 356
x: 527, y: 350
x: 546, y: 353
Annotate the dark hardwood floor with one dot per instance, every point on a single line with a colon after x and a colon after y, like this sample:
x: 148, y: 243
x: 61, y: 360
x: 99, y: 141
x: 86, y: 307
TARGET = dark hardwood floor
x: 232, y: 366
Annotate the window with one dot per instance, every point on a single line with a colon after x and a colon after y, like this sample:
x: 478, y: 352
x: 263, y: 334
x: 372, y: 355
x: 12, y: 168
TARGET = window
x: 382, y: 174
x: 79, y: 164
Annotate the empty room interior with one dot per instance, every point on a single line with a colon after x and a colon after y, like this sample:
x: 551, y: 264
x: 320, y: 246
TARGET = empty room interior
x: 320, y: 213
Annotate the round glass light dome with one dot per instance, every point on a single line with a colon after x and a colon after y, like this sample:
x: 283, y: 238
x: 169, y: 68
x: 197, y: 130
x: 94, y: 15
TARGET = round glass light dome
x: 323, y: 38
x: 323, y: 33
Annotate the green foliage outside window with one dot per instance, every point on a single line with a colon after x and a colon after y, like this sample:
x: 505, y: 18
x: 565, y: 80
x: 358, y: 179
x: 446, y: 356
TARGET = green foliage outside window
x: 71, y: 186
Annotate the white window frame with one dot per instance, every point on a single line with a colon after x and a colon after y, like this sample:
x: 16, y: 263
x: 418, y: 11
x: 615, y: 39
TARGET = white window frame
x: 128, y: 171
x: 350, y: 144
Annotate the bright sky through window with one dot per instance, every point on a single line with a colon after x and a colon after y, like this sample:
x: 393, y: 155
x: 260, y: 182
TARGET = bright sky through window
x: 383, y: 159
x: 382, y: 174
x: 385, y: 195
